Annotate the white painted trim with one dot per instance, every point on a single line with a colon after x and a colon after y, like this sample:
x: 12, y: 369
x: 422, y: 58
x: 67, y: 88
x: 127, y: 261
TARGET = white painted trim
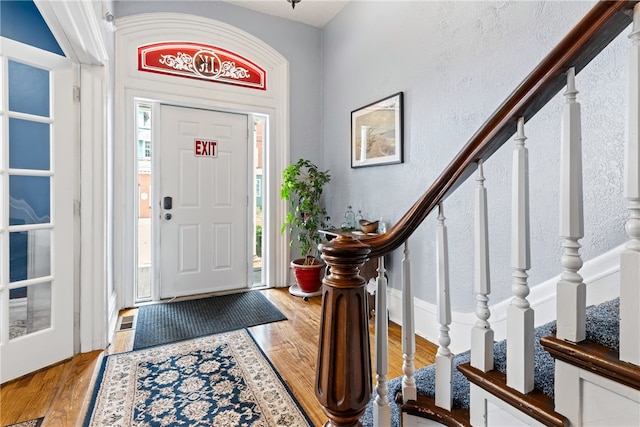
x: 93, y: 214
x: 600, y: 274
x: 617, y: 404
x: 112, y: 317
x: 487, y: 409
x: 76, y: 27
x: 137, y: 30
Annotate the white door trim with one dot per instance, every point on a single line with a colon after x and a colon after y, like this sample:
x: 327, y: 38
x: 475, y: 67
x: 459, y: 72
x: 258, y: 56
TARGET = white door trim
x: 77, y: 29
x: 137, y: 30
x: 98, y: 313
x: 77, y: 26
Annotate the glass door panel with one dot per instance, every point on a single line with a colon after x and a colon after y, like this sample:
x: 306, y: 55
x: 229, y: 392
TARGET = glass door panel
x: 29, y: 310
x: 29, y: 199
x: 29, y: 254
x: 145, y: 205
x: 29, y: 92
x: 29, y: 144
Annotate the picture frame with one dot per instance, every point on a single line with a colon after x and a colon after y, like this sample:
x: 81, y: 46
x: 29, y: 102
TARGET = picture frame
x: 376, y: 133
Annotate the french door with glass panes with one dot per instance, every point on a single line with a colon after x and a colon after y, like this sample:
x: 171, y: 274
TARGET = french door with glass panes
x: 37, y: 164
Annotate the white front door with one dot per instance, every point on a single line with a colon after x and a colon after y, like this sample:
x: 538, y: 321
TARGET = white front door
x: 37, y: 164
x: 204, y: 199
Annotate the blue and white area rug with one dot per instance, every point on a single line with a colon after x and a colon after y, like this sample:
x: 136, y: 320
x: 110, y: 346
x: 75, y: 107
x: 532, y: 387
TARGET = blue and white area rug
x: 217, y: 380
x: 31, y: 423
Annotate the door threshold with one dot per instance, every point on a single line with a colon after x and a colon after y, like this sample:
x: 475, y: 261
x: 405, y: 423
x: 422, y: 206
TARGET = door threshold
x: 202, y: 296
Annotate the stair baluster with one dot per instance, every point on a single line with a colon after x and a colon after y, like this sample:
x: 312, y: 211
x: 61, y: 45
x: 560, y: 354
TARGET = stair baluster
x: 482, y: 334
x: 520, y: 325
x: 381, y: 408
x: 630, y: 258
x: 571, y: 290
x: 408, y: 331
x: 444, y: 357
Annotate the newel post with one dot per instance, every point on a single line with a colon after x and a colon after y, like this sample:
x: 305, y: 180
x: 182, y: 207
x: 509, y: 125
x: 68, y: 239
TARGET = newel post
x: 343, y: 373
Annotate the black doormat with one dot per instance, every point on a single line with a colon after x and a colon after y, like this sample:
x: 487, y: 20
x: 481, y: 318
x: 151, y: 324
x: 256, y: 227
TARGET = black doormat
x: 177, y: 321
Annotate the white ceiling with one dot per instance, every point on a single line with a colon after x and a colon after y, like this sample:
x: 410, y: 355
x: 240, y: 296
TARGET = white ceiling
x: 311, y: 12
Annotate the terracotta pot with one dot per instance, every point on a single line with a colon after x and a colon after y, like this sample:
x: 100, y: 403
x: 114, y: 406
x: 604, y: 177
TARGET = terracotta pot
x: 308, y: 277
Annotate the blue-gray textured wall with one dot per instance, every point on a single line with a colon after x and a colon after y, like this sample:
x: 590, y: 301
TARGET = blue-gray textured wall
x: 21, y: 21
x: 456, y: 62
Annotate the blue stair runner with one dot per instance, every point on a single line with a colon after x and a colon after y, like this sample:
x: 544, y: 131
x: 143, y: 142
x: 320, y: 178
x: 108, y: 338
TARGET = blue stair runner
x: 603, y: 327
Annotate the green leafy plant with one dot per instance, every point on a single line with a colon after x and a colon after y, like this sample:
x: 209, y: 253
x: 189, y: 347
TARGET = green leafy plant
x: 259, y: 240
x: 302, y: 188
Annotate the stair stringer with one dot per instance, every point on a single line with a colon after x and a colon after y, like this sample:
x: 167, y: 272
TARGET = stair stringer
x: 494, y: 403
x: 489, y: 410
x: 599, y: 401
x: 592, y: 386
x: 486, y: 410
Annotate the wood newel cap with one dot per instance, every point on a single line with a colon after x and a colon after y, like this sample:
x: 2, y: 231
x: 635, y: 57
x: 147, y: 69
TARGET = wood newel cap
x: 344, y: 252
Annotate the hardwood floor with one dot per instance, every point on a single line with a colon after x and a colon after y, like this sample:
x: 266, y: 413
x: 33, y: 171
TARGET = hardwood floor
x: 60, y: 393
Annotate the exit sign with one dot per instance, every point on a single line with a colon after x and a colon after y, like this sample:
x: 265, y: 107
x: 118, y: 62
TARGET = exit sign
x: 205, y: 148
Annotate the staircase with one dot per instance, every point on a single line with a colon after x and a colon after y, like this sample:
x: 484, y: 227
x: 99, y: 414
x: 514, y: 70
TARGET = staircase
x: 593, y: 377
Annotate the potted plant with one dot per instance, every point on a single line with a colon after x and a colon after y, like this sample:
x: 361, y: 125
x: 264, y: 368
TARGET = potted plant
x: 302, y: 188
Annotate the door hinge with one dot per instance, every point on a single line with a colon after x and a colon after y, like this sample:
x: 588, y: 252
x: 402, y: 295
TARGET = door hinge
x: 76, y: 208
x: 76, y: 94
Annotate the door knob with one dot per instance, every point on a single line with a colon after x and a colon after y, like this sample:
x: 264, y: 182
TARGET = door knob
x: 167, y: 216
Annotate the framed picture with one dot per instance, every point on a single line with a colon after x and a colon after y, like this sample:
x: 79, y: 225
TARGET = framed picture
x: 376, y: 133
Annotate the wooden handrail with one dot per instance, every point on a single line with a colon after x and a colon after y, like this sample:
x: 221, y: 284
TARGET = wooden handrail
x: 343, y: 377
x: 604, y: 22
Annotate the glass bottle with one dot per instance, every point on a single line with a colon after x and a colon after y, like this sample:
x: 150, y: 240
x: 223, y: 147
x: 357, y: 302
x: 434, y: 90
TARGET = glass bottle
x: 358, y: 219
x: 382, y: 226
x: 350, y: 218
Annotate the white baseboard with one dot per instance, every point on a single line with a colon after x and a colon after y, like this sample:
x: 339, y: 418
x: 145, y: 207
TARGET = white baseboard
x: 112, y: 319
x: 601, y: 275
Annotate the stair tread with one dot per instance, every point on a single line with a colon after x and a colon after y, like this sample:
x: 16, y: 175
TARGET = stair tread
x: 603, y: 324
x: 425, y: 407
x: 536, y: 404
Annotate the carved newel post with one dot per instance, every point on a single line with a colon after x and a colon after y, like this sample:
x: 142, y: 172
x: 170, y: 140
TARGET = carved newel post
x: 343, y: 373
